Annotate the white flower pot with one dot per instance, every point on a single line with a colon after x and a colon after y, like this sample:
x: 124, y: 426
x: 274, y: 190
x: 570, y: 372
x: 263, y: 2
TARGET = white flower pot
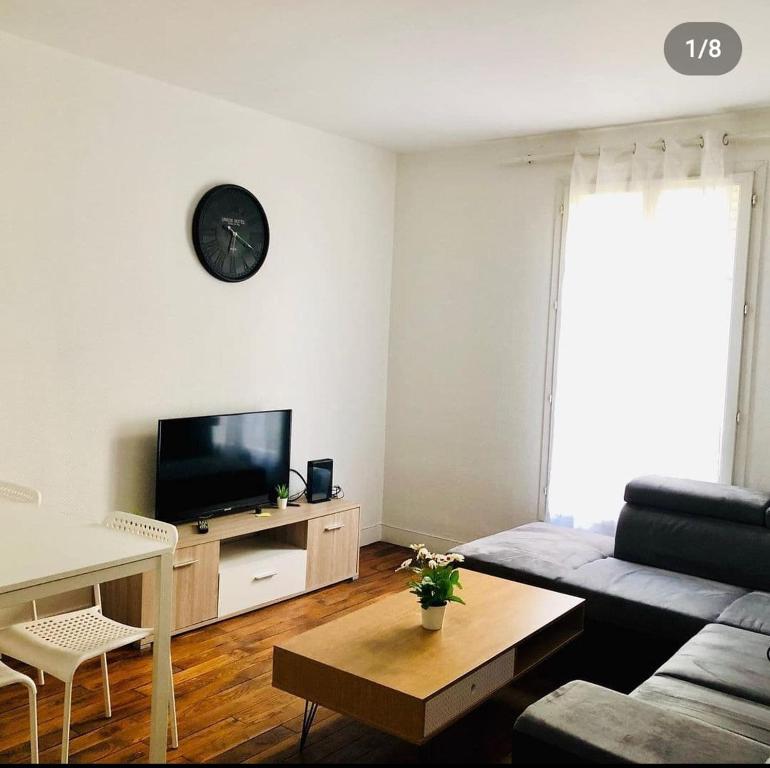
x: 433, y: 617
x: 282, y: 503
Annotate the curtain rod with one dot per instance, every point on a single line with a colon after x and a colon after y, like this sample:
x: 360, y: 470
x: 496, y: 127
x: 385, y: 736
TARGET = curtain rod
x: 728, y: 137
x: 532, y: 158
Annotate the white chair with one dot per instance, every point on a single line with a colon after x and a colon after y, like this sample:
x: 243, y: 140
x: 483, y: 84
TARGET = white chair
x: 60, y: 644
x: 8, y: 676
x: 22, y: 494
x: 14, y: 492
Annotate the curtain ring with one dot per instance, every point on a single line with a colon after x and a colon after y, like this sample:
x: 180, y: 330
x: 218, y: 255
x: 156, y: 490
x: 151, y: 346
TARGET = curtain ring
x: 725, y: 139
x: 701, y: 143
x: 663, y: 145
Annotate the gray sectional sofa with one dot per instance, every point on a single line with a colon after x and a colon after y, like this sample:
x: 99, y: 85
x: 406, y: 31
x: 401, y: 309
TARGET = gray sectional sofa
x: 690, y: 562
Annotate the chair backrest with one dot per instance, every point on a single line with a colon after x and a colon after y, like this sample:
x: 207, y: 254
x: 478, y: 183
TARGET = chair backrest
x: 144, y: 526
x: 13, y: 492
x: 138, y: 526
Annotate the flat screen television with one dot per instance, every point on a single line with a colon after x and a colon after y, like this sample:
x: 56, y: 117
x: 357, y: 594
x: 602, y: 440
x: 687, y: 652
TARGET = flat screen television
x: 209, y: 465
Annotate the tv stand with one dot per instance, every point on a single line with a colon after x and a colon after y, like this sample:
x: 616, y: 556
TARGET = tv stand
x: 247, y: 561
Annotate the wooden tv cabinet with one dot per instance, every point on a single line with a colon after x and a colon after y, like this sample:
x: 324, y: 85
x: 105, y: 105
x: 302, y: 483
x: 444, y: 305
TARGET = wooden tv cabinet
x: 245, y: 562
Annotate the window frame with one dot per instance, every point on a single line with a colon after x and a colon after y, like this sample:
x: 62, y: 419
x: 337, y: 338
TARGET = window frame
x: 734, y: 466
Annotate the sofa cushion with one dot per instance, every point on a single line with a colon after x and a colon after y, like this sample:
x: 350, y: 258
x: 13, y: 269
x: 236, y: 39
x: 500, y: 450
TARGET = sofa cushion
x: 598, y: 725
x: 734, y: 553
x: 650, y: 599
x: 733, y: 713
x: 537, y: 553
x: 696, y: 497
x: 726, y: 659
x: 750, y: 612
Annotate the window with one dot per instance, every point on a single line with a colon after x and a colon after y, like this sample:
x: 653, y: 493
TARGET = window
x: 647, y: 359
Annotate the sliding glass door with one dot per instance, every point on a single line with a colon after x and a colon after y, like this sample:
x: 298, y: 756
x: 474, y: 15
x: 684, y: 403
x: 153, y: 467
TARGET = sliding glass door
x: 647, y: 354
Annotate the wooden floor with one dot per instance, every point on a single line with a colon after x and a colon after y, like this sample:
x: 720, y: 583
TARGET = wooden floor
x: 228, y: 710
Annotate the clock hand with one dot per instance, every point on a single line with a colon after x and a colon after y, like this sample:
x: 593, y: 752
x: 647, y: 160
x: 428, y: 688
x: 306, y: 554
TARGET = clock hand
x: 235, y: 234
x: 245, y: 242
x: 231, y: 247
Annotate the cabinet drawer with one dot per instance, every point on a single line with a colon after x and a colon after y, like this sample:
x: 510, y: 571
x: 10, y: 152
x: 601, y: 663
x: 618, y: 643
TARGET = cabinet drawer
x: 252, y: 573
x: 195, y: 584
x: 465, y: 694
x: 332, y: 546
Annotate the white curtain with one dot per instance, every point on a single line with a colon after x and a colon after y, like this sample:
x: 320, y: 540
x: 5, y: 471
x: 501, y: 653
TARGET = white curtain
x: 648, y: 168
x: 644, y: 317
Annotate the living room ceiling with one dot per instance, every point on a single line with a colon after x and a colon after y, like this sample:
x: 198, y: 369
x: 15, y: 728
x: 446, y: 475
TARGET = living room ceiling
x: 416, y: 74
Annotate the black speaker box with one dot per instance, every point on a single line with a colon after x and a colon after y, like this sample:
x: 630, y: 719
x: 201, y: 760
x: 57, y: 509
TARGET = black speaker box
x: 319, y: 480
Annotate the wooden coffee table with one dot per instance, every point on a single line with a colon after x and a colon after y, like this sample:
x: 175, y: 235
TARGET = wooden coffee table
x: 379, y: 666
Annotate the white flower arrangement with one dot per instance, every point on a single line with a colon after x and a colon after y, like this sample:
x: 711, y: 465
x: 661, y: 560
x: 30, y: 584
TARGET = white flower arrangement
x: 437, y: 576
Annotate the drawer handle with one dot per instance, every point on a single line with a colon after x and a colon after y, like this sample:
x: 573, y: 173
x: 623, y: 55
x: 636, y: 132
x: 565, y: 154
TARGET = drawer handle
x: 185, y: 564
x: 265, y: 575
x: 334, y: 526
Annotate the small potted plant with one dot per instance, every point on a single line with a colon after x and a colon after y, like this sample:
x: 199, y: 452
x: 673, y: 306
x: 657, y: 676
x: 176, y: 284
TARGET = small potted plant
x: 436, y: 578
x: 282, y: 496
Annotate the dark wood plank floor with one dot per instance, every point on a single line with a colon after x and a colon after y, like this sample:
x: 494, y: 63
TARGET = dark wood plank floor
x: 228, y: 710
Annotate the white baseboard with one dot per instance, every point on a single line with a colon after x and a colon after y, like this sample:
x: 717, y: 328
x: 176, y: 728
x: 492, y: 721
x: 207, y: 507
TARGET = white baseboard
x: 404, y: 537
x: 371, y: 534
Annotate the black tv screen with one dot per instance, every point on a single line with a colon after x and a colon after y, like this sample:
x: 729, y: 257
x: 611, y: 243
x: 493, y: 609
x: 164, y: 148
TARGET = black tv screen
x: 218, y: 464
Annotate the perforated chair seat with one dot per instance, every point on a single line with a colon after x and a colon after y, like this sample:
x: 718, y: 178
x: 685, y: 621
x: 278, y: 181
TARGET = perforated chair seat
x: 60, y: 644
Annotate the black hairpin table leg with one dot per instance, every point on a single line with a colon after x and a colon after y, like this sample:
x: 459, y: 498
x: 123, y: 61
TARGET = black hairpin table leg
x: 307, y: 721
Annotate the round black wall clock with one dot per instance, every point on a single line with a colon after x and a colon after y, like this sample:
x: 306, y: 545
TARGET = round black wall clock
x: 230, y: 233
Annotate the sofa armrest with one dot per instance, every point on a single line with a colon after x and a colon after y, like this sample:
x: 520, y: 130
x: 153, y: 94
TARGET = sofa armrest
x: 597, y: 725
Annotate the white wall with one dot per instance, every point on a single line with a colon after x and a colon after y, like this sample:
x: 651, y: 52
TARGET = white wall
x: 107, y: 320
x: 470, y: 303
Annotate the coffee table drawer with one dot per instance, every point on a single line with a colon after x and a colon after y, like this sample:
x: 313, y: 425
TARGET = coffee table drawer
x: 464, y: 695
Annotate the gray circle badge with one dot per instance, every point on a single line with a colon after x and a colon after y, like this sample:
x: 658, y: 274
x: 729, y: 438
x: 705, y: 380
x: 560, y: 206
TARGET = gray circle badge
x: 703, y: 48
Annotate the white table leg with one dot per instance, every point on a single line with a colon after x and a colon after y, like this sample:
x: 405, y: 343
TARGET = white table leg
x: 161, y: 658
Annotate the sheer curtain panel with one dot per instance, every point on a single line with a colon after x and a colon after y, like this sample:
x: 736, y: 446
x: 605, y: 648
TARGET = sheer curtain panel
x: 650, y: 311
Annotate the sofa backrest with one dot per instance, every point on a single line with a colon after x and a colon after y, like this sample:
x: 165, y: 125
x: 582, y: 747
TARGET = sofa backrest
x: 715, y: 531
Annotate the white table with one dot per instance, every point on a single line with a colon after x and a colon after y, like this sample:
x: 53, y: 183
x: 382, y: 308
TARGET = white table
x: 45, y: 553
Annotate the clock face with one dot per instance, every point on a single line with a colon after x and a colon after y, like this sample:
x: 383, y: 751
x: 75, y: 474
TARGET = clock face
x: 230, y: 233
